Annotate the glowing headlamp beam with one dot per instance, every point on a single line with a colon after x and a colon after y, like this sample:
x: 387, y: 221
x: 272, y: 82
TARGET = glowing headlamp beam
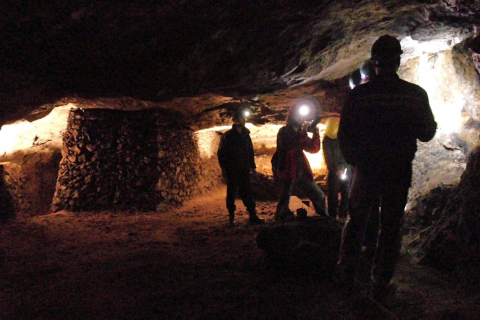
x: 304, y: 110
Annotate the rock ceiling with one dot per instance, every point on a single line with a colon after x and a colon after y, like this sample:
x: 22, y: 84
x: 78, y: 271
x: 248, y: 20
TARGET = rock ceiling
x: 205, y: 57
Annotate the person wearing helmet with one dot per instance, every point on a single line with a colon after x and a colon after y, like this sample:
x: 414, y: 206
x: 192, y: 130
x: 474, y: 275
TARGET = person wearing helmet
x: 339, y: 172
x: 380, y: 123
x: 292, y: 166
x: 355, y: 79
x: 364, y: 74
x: 236, y: 158
x: 367, y: 71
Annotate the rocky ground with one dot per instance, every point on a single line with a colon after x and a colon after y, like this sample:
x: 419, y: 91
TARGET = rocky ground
x: 186, y: 263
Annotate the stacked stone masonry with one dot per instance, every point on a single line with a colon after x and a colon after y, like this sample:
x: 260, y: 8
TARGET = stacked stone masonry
x: 122, y: 160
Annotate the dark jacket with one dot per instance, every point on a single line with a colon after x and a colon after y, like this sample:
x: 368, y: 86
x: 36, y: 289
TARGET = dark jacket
x: 290, y: 156
x: 381, y: 122
x: 333, y: 156
x: 235, y: 152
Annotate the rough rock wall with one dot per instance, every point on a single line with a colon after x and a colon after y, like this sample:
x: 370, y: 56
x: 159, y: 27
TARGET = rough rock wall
x: 30, y: 182
x: 7, y: 208
x: 454, y: 96
x: 453, y: 241
x: 127, y: 160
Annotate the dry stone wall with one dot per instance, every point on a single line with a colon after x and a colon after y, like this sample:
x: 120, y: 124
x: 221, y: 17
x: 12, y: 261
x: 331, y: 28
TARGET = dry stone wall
x: 127, y: 160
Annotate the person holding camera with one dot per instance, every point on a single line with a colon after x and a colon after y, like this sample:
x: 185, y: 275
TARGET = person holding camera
x: 291, y: 165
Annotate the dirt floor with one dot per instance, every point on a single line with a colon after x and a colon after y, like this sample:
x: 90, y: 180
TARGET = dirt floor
x: 186, y: 263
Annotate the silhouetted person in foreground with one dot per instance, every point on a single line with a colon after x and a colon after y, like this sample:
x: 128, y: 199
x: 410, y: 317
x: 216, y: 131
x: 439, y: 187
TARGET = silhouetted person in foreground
x: 379, y: 127
x: 339, y: 171
x: 236, y: 158
x: 363, y: 75
x: 292, y: 167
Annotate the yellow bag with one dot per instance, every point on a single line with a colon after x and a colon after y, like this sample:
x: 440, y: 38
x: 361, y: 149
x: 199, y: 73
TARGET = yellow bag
x: 331, y: 127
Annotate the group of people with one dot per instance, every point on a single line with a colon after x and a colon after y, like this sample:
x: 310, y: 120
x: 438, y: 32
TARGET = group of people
x: 380, y: 123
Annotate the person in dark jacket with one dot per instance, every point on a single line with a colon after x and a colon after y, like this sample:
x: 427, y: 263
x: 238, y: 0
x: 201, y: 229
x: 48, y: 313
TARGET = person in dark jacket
x: 379, y: 127
x: 339, y: 171
x: 292, y: 166
x: 236, y: 158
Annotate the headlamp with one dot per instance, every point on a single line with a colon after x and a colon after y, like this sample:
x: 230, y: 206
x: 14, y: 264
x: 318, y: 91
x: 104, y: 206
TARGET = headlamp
x: 304, y: 110
x: 243, y: 113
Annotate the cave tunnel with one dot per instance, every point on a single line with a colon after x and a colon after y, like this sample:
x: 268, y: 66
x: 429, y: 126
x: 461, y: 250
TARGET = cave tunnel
x: 32, y: 150
x: 111, y: 115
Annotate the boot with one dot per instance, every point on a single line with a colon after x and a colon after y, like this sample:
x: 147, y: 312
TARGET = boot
x: 231, y: 217
x: 254, y: 219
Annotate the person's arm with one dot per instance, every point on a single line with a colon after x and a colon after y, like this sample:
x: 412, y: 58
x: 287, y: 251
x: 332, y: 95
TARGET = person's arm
x: 281, y: 149
x: 311, y: 145
x: 426, y: 131
x: 346, y: 133
x: 251, y: 155
x: 222, y: 152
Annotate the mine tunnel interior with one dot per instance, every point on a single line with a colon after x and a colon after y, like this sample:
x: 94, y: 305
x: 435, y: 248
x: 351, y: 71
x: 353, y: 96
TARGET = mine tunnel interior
x: 111, y: 114
x: 31, y: 150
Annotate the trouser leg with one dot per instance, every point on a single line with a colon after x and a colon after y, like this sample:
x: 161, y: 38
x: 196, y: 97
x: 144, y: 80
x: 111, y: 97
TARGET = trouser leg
x: 370, y: 237
x: 394, y: 199
x: 231, y: 192
x: 362, y: 197
x: 369, y: 243
x: 345, y: 196
x: 245, y: 188
x: 284, y: 198
x: 333, y: 188
x: 315, y: 194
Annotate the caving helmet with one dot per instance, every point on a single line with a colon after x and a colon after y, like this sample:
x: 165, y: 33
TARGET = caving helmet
x: 355, y: 79
x: 242, y: 113
x: 367, y: 71
x: 386, y: 50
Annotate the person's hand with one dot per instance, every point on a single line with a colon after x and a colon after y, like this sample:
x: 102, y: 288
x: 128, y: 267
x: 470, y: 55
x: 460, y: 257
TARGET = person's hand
x: 305, y: 125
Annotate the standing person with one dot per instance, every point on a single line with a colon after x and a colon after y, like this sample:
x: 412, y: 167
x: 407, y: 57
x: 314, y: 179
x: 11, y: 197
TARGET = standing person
x: 236, y: 158
x: 379, y: 127
x: 292, y: 167
x: 339, y: 172
x: 369, y: 243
